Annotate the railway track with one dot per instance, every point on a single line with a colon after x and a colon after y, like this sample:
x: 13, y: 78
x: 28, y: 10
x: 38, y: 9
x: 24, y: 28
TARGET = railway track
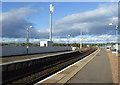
x: 37, y: 75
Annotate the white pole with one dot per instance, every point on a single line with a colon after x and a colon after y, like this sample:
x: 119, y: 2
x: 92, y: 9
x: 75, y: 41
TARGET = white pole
x: 51, y: 11
x: 50, y: 26
x: 116, y: 40
x: 68, y: 41
x: 80, y: 38
x: 27, y: 39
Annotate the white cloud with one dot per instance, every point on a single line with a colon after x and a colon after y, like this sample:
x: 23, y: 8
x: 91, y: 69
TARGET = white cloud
x: 35, y: 40
x: 96, y: 39
x: 93, y: 22
x: 14, y: 23
x: 13, y: 40
x: 91, y: 39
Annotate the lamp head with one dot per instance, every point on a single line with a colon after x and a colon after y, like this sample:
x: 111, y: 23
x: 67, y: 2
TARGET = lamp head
x: 68, y: 35
x: 30, y: 26
x: 111, y: 24
x: 51, y: 8
x: 116, y: 27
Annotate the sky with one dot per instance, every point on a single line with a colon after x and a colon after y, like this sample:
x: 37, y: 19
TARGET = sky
x: 68, y: 18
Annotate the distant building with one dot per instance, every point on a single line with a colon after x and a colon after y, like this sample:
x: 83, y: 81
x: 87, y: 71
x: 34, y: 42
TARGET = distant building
x: 73, y: 48
x: 109, y: 46
x: 46, y: 44
x: 114, y: 47
x: 87, y: 46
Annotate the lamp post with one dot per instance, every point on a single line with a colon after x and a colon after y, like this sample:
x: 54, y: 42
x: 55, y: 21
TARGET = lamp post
x: 51, y: 11
x: 80, y: 38
x: 68, y: 39
x: 28, y: 37
x: 116, y: 27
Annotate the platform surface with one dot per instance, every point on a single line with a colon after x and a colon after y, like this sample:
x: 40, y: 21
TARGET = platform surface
x: 24, y: 57
x: 96, y: 71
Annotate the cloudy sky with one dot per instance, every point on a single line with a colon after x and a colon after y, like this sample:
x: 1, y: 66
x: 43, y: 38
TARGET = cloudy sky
x: 68, y: 18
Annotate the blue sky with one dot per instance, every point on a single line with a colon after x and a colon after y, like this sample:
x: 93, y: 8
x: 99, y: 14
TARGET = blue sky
x: 64, y: 14
x: 41, y: 19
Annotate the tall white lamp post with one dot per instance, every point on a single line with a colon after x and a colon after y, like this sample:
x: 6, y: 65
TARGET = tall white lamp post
x: 80, y: 38
x: 51, y: 11
x: 68, y: 40
x: 116, y: 27
x: 28, y: 37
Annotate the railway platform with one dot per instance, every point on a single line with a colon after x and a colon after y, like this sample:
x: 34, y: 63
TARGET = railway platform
x: 93, y: 69
x: 11, y: 59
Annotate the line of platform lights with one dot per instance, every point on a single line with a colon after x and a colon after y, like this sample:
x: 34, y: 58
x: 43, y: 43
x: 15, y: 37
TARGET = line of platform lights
x: 116, y: 27
x: 51, y: 11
